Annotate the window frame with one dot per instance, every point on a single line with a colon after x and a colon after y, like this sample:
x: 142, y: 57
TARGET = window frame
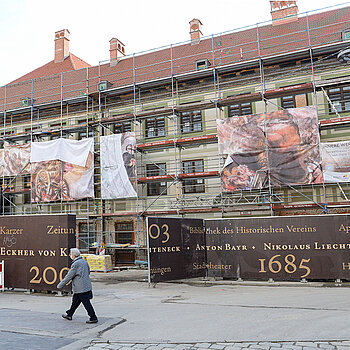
x: 83, y: 134
x: 155, y: 188
x: 194, y: 185
x: 126, y: 126
x: 241, y: 108
x: 27, y: 184
x: 156, y: 127
x: 343, y: 102
x: 289, y: 101
x: 117, y: 232
x: 202, y: 64
x: 90, y: 238
x: 56, y: 135
x: 192, y: 115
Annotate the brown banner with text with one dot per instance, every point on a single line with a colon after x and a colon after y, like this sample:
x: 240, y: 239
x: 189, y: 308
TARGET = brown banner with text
x: 172, y: 248
x: 36, y: 250
x: 280, y: 248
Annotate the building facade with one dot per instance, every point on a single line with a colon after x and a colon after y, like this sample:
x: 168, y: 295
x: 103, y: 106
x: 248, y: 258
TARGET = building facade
x: 171, y: 98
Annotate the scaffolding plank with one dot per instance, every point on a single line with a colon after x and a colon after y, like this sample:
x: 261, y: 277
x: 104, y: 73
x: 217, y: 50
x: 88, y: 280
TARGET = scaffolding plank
x: 155, y: 144
x: 199, y: 174
x: 156, y: 178
x: 196, y: 139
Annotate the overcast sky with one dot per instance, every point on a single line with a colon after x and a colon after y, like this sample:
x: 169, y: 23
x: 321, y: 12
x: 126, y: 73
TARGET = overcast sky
x: 27, y: 27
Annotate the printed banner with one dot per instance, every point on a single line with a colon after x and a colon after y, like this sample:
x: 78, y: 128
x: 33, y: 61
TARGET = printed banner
x: 278, y: 248
x: 14, y: 159
x: 172, y: 248
x: 284, y: 144
x: 55, y: 179
x: 281, y: 248
x: 336, y: 161
x: 36, y: 250
x: 118, y: 166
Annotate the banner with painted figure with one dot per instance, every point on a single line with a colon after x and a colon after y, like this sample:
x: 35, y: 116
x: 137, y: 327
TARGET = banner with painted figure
x: 284, y: 143
x: 62, y: 169
x: 14, y: 159
x: 118, y: 166
x: 336, y: 161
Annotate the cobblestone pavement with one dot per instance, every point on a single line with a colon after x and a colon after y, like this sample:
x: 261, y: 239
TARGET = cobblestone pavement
x: 326, y: 345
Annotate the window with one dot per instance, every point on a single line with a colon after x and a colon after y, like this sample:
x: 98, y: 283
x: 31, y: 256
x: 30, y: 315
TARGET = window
x: 9, y: 184
x: 104, y: 85
x: 85, y: 131
x: 240, y: 109
x: 346, y: 34
x: 155, y: 188
x: 8, y: 205
x: 193, y: 185
x: 191, y: 121
x: 294, y: 101
x: 83, y: 134
x: 340, y: 98
x: 27, y: 186
x: 87, y: 235
x: 122, y: 127
x: 124, y: 232
x: 155, y: 127
x: 202, y: 64
x: 56, y: 130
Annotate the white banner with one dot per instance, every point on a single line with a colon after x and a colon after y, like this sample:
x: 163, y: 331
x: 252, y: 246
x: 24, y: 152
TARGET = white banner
x: 118, y: 166
x: 336, y: 161
x: 70, y: 151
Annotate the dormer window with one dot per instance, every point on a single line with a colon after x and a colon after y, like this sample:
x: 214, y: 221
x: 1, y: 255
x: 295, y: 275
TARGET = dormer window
x: 104, y: 85
x: 202, y: 64
x: 346, y: 34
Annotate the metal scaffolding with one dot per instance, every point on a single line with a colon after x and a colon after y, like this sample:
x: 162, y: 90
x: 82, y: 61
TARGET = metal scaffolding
x: 201, y: 80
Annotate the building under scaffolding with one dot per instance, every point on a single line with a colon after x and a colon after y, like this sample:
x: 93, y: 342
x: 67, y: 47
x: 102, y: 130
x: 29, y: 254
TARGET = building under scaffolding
x: 171, y: 98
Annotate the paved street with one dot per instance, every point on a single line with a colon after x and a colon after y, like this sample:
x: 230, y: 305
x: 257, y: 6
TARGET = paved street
x: 133, y: 315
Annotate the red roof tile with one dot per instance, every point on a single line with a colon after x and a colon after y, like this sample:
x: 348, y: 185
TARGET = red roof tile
x: 316, y: 30
x: 70, y: 63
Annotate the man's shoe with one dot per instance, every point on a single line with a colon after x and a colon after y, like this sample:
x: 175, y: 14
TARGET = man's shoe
x: 92, y: 321
x: 69, y: 318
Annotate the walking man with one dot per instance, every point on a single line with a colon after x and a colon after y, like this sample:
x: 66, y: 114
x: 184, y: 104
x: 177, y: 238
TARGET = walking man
x: 81, y: 286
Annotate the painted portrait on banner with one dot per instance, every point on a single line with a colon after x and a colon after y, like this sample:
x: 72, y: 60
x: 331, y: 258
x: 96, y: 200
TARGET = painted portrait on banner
x: 281, y: 147
x: 128, y: 144
x: 118, y: 166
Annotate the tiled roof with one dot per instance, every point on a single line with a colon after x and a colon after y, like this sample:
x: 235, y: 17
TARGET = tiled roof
x: 70, y: 63
x: 316, y: 30
x: 320, y: 29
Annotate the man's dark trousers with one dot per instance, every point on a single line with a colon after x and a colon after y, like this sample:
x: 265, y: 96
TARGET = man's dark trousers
x: 85, y: 299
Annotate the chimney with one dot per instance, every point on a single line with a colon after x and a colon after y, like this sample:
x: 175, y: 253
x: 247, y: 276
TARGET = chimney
x: 195, y: 31
x: 61, y: 45
x: 283, y: 11
x: 116, y: 51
